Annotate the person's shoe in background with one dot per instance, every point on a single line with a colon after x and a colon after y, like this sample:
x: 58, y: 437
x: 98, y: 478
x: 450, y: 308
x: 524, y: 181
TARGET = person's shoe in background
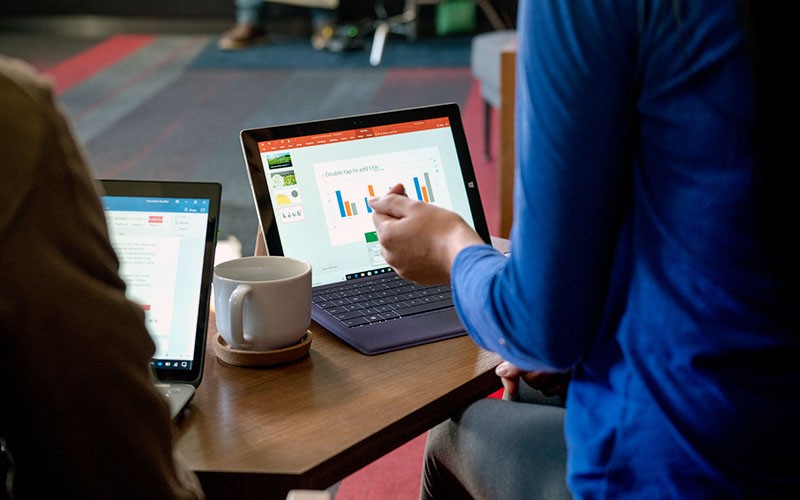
x: 242, y: 36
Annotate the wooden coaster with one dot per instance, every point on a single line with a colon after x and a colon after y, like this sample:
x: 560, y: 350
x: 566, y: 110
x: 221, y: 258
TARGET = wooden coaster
x: 239, y: 357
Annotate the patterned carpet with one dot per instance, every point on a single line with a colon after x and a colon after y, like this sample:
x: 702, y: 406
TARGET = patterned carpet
x: 171, y: 107
x: 153, y: 106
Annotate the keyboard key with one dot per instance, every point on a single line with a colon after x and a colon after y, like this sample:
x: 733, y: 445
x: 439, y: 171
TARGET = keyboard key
x: 430, y: 306
x: 349, y: 315
x: 356, y: 322
x: 357, y: 303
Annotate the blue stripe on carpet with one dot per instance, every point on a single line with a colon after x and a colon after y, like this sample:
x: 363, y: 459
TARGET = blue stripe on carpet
x: 297, y: 53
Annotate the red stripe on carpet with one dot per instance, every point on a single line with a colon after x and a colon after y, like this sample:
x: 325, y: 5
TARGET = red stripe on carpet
x: 148, y: 71
x: 77, y: 69
x: 395, y: 476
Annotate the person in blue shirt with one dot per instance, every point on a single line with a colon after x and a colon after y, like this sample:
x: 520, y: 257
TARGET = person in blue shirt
x: 652, y: 254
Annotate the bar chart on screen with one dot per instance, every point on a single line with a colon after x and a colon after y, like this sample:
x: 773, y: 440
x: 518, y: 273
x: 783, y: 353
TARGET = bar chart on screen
x: 346, y: 186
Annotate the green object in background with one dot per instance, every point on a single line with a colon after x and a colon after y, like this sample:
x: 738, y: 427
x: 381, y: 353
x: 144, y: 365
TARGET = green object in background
x: 455, y: 16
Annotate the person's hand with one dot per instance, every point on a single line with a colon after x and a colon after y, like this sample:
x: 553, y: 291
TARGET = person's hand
x: 419, y: 240
x: 549, y: 383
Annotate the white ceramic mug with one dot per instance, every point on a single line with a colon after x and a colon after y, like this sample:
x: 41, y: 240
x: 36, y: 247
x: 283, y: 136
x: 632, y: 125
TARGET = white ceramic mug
x: 262, y: 303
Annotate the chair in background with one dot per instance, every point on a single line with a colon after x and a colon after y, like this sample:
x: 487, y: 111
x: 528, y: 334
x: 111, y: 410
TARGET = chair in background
x: 405, y: 23
x: 493, y: 64
x: 485, y: 65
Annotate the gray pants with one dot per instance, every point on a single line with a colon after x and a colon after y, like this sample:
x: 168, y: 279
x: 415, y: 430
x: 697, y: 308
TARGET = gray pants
x: 499, y: 450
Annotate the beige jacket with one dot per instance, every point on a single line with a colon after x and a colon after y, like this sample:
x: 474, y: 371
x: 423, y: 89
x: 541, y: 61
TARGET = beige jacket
x: 77, y: 407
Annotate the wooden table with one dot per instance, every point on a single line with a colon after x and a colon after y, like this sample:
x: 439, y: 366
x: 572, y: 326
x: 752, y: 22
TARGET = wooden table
x: 308, y: 424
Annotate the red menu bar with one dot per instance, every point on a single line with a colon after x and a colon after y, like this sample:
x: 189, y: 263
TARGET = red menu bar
x: 352, y: 135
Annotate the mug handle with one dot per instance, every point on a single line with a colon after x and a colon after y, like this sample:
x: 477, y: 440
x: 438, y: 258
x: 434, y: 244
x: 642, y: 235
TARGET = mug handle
x: 236, y: 316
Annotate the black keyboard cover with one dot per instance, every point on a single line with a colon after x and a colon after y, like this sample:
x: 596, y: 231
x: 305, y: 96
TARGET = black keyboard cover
x: 364, y: 301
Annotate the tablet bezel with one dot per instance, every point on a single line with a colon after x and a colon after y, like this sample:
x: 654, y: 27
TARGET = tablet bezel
x: 249, y: 139
x: 177, y: 189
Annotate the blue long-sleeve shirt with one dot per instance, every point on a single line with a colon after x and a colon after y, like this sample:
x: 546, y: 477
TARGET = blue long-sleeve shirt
x: 634, y: 258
